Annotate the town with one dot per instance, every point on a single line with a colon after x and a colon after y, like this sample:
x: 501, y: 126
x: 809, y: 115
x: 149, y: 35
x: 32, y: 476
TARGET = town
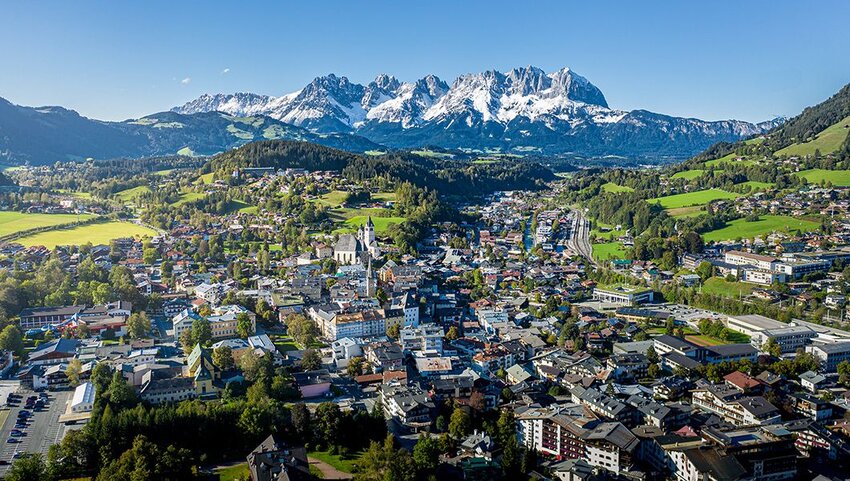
x: 283, y: 323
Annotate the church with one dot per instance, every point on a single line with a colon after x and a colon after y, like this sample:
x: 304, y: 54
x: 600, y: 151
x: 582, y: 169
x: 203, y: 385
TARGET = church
x: 356, y: 248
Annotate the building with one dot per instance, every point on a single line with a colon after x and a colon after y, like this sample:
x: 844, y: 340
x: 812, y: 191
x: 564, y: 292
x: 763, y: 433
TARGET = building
x: 426, y: 338
x: 274, y: 460
x: 354, y: 249
x: 623, y: 295
x: 733, y: 406
x: 35, y: 317
x: 313, y: 384
x: 739, y: 258
x: 753, y: 323
x: 54, y: 352
x: 788, y: 338
x: 83, y: 398
x: 830, y: 355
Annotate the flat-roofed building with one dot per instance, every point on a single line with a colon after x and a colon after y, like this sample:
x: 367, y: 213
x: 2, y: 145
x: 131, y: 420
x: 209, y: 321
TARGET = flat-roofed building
x: 788, y: 338
x: 752, y: 323
x: 830, y: 354
x: 623, y: 295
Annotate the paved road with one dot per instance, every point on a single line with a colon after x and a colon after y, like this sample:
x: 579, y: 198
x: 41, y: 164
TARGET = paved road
x: 43, y: 431
x: 328, y: 471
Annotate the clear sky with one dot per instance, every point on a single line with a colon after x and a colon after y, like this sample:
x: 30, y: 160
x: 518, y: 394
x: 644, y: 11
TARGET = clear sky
x: 716, y: 59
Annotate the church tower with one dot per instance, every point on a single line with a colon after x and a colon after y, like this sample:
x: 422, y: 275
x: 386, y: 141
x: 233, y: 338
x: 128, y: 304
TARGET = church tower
x: 368, y: 232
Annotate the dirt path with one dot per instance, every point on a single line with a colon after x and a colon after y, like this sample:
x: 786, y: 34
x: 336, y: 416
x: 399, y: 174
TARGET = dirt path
x: 328, y: 471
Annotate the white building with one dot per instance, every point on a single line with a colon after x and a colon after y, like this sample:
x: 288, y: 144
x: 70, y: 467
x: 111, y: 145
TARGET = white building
x: 83, y: 398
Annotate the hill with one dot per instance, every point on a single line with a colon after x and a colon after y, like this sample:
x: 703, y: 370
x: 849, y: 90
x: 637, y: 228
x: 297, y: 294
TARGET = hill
x: 44, y: 135
x: 451, y: 177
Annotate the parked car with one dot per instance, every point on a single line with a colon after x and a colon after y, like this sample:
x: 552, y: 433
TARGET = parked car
x: 13, y: 440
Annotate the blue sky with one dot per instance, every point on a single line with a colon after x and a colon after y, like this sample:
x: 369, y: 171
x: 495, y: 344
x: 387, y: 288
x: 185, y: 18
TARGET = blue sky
x: 749, y: 60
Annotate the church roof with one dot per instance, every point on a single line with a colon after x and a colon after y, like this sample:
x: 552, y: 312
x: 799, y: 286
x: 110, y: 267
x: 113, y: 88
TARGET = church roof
x: 348, y: 243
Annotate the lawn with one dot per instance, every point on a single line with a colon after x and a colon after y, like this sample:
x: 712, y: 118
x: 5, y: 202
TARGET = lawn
x: 431, y: 153
x: 613, y: 188
x: 164, y: 172
x: 609, y: 250
x: 815, y: 176
x: 688, y: 174
x: 12, y: 222
x: 232, y: 473
x: 607, y: 234
x: 334, y: 198
x: 187, y: 197
x: 828, y: 141
x: 721, y: 287
x: 691, y: 211
x: 765, y: 225
x: 729, y: 158
x: 702, y: 340
x: 130, y: 194
x: 242, y: 207
x: 342, y: 214
x: 100, y: 233
x: 207, y: 178
x: 346, y: 464
x: 700, y: 197
x: 384, y: 197
x: 381, y: 223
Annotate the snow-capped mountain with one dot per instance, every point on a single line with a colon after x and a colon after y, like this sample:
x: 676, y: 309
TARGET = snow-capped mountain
x: 525, y: 109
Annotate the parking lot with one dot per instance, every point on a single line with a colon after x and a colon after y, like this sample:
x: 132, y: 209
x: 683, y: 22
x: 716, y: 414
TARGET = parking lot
x: 43, y: 427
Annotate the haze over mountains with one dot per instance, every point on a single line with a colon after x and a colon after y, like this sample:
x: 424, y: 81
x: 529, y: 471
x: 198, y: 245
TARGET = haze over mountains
x: 525, y: 111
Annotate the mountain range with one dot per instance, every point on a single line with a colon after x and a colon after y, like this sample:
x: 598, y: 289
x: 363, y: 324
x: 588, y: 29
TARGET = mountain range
x: 525, y: 110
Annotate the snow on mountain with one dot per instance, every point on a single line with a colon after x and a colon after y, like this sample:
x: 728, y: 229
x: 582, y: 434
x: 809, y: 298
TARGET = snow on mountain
x: 562, y: 111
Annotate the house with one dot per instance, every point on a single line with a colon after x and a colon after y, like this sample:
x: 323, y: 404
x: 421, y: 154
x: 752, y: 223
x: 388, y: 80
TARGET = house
x: 313, y: 383
x: 812, y: 381
x: 54, y: 352
x: 274, y: 460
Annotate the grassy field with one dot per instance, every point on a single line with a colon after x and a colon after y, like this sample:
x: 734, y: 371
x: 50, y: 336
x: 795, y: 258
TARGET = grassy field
x: 334, y: 198
x: 681, y: 212
x: 829, y: 140
x: 608, y: 234
x: 688, y: 174
x: 755, y: 185
x: 765, y: 225
x: 130, y: 194
x: 242, y: 207
x: 729, y: 158
x: 721, y: 287
x: 232, y: 473
x: 12, y: 222
x: 100, y: 233
x: 188, y: 197
x: 700, y: 197
x: 815, y: 176
x: 609, y: 250
x: 431, y: 153
x: 384, y: 197
x: 342, y: 214
x: 381, y: 223
x: 616, y: 189
x: 346, y: 464
x: 206, y: 178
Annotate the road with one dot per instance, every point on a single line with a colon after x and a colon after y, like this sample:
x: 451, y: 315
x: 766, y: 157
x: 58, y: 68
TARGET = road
x: 580, y: 237
x: 43, y: 431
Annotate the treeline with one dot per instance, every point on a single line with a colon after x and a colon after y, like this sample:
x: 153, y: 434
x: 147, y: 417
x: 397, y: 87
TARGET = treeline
x: 450, y: 177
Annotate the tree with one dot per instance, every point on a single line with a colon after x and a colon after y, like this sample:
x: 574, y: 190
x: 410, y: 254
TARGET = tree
x: 310, y: 360
x: 394, y: 330
x: 187, y: 341
x: 255, y: 366
x: 651, y: 355
x: 459, y: 424
x: 452, y: 333
x: 704, y: 270
x: 138, y: 325
x: 327, y: 423
x: 301, y: 421
x: 426, y: 453
x: 355, y: 366
x: 30, y: 467
x: 120, y: 393
x: 244, y: 326
x: 772, y: 347
x: 12, y: 340
x: 201, y: 331
x: 303, y: 330
x: 843, y: 370
x: 653, y: 370
x: 73, y: 371
x: 222, y: 357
